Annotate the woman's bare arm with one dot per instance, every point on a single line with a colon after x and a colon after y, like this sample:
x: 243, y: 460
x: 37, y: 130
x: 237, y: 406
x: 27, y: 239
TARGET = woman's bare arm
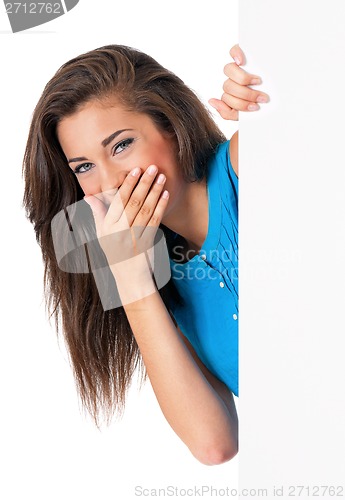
x: 199, y: 408
x: 222, y: 390
x: 238, y: 96
x: 190, y: 403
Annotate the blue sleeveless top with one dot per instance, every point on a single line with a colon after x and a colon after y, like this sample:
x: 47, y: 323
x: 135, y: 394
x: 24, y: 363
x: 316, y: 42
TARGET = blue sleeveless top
x: 208, y: 283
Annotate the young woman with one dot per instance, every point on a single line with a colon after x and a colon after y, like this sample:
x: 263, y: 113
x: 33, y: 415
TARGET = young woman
x: 117, y: 130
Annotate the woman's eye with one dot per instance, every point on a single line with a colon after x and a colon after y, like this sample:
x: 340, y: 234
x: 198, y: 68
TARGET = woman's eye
x: 121, y: 146
x: 81, y: 169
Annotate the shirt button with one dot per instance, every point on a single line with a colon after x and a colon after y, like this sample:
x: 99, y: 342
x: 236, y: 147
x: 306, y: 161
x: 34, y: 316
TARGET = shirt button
x: 203, y: 256
x: 234, y: 316
x: 221, y: 284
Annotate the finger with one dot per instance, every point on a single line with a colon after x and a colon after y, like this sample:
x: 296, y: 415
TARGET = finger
x: 237, y: 54
x: 117, y: 206
x: 144, y: 231
x: 148, y: 207
x: 150, y: 230
x: 224, y: 110
x: 232, y: 88
x: 158, y: 212
x: 240, y: 76
x: 239, y: 104
x: 139, y: 194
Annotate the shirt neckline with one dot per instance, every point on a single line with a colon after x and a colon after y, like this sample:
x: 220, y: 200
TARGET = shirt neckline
x: 214, y: 217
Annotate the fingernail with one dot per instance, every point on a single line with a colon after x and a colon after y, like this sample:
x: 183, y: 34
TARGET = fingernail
x: 161, y: 179
x: 152, y: 170
x: 135, y: 171
x: 262, y: 98
x: 237, y: 60
x: 165, y: 195
x: 253, y: 107
x: 255, y: 81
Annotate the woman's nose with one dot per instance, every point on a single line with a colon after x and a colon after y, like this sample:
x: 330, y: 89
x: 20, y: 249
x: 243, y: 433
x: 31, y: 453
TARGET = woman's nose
x: 109, y: 183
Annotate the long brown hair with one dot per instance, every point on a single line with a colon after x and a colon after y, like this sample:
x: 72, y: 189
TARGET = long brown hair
x: 101, y: 345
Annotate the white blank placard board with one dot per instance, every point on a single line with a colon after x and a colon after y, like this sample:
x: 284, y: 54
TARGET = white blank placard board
x: 292, y: 249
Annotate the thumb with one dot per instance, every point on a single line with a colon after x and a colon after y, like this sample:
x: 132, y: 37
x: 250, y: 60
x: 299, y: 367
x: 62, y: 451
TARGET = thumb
x: 214, y: 103
x: 98, y: 209
x: 224, y: 110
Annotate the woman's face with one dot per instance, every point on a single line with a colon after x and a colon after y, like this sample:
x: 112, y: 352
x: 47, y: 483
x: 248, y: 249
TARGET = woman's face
x: 103, y: 144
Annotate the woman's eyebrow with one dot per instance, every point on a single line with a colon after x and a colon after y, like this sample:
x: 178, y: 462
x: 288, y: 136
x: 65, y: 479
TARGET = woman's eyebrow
x: 80, y: 158
x: 112, y: 136
x: 104, y: 143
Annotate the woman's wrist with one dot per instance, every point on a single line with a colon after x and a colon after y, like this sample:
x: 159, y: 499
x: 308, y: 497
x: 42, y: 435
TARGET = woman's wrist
x: 134, y: 278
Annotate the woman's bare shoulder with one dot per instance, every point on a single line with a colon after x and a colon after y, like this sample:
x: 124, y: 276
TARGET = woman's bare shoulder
x: 233, y: 152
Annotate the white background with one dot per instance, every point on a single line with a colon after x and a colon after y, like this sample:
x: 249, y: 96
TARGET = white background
x: 51, y: 450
